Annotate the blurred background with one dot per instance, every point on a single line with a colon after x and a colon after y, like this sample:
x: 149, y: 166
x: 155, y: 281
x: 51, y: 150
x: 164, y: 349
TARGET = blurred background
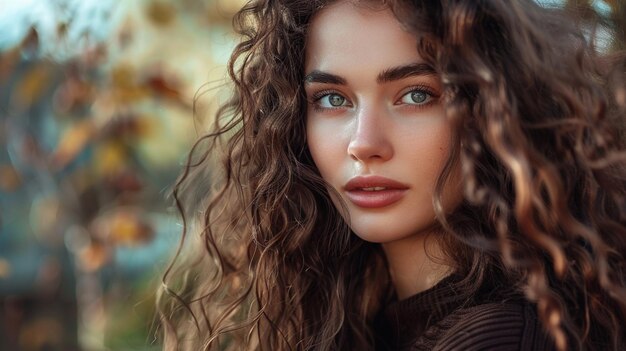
x: 96, y: 117
x: 100, y: 100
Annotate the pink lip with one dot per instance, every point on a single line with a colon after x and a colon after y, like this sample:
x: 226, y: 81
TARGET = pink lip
x: 392, y: 193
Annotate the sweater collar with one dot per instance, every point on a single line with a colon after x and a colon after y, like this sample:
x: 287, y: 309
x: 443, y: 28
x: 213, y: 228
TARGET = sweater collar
x: 402, y: 322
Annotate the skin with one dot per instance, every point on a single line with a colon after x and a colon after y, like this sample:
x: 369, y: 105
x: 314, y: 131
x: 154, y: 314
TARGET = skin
x: 374, y: 109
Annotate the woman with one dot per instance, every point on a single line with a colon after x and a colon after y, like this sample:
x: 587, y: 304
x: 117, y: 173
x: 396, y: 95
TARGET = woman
x: 407, y: 175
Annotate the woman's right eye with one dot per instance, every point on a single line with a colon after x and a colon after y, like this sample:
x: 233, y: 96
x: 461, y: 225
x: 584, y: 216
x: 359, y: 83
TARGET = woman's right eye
x: 331, y: 100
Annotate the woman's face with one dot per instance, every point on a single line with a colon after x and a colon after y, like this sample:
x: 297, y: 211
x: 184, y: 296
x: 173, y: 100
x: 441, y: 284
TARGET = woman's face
x: 375, y: 124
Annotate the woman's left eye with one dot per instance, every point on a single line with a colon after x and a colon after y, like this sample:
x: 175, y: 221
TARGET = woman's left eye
x: 416, y: 97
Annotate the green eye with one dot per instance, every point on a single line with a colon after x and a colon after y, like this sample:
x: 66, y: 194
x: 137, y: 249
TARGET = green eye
x: 416, y: 97
x: 336, y: 100
x: 332, y: 100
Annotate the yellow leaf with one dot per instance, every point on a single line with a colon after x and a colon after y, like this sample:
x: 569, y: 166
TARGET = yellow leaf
x: 93, y: 257
x: 110, y: 158
x: 72, y: 143
x: 32, y: 85
x: 127, y: 228
x: 161, y: 13
x: 124, y: 85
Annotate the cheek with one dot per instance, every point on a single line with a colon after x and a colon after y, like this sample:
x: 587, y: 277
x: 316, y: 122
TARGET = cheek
x: 429, y: 151
x: 325, y: 144
x: 452, y: 192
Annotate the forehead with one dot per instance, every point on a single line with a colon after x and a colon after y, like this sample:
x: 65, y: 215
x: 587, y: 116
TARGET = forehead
x: 345, y: 33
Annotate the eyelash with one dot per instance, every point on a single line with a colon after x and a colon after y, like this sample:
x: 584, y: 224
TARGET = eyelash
x: 433, y: 97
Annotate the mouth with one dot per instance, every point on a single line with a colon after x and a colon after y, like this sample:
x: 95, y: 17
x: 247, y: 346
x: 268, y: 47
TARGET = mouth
x: 374, y: 188
x: 374, y: 191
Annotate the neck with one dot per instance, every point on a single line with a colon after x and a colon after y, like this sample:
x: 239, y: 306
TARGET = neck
x: 415, y: 263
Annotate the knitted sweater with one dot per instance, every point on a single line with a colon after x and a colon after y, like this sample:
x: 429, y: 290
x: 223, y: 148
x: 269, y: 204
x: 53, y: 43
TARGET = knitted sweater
x: 437, y: 319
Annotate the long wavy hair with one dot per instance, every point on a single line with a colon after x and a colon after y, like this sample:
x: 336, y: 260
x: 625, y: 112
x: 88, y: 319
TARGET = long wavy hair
x: 266, y: 260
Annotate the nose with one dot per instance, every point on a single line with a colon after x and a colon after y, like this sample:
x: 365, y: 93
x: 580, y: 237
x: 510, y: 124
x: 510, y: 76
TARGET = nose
x: 370, y: 140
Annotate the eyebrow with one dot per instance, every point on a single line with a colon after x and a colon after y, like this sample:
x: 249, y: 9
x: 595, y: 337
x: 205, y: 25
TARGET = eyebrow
x: 388, y: 75
x: 401, y: 72
x: 324, y: 77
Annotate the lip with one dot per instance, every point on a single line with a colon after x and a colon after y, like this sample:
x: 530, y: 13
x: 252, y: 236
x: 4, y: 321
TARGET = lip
x: 393, y: 191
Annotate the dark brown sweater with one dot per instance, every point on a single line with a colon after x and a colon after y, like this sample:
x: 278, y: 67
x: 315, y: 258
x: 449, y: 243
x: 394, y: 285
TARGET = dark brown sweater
x: 438, y: 319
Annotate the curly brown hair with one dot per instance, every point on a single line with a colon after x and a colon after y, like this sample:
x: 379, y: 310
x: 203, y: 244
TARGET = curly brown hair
x: 538, y: 118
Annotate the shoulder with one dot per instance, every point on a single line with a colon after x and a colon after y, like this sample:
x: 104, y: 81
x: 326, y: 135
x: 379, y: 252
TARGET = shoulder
x: 490, y: 326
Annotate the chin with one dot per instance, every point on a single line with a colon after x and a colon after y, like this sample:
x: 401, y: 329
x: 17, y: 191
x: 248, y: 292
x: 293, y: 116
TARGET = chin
x: 380, y: 238
x: 382, y: 234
